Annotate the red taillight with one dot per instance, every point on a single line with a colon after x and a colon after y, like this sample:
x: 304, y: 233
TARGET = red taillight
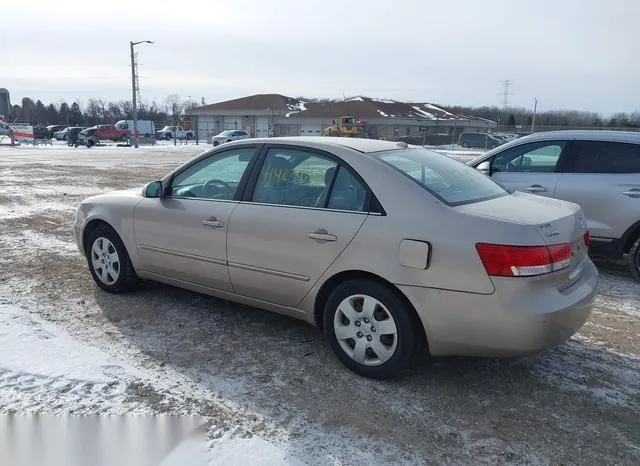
x: 523, y: 261
x: 587, y: 238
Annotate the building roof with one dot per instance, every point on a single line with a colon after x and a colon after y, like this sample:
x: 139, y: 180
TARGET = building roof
x: 256, y: 102
x: 360, y: 107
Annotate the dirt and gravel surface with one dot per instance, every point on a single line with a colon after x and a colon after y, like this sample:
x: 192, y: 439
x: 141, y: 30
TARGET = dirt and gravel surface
x: 254, y: 373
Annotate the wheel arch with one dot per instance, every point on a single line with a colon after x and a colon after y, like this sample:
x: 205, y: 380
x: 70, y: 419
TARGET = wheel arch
x: 90, y: 227
x: 329, y: 285
x: 628, y: 238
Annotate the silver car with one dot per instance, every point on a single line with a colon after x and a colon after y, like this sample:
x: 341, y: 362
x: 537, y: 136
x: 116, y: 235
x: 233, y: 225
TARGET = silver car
x: 600, y: 170
x: 389, y: 249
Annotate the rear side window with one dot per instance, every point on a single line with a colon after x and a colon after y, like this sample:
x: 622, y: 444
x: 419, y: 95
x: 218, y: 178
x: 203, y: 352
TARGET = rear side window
x: 604, y: 157
x: 453, y: 182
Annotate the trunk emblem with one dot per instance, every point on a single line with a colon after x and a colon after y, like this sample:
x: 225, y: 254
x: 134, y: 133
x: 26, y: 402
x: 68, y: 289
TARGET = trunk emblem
x: 551, y: 234
x: 581, y: 224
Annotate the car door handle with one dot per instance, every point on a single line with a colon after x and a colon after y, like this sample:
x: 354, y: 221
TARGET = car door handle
x: 633, y: 192
x: 322, y: 235
x: 536, y: 188
x: 213, y: 222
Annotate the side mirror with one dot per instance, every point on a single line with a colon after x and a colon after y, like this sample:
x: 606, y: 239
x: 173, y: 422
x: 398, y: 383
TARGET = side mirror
x: 153, y: 189
x: 485, y: 167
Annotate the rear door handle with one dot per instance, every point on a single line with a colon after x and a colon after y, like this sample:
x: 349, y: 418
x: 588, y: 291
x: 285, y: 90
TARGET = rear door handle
x: 322, y: 235
x: 213, y: 222
x: 633, y: 192
x: 536, y: 188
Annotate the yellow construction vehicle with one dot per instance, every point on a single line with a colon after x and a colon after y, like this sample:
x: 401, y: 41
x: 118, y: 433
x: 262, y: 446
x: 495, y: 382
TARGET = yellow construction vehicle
x: 347, y: 126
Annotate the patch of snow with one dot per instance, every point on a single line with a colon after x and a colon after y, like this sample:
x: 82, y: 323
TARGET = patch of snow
x: 423, y: 113
x: 296, y: 108
x: 33, y: 240
x: 382, y: 113
x: 230, y: 450
x: 43, y: 368
x: 438, y: 109
x: 582, y: 365
x: 14, y: 211
x: 355, y: 99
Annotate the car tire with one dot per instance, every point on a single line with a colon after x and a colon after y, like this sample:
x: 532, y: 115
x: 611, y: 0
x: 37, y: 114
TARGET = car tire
x: 189, y: 136
x: 109, y: 261
x: 167, y: 136
x: 634, y: 259
x: 355, y: 340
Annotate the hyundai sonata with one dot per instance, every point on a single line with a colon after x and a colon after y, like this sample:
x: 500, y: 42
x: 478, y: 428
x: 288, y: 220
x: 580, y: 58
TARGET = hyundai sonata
x: 390, y: 249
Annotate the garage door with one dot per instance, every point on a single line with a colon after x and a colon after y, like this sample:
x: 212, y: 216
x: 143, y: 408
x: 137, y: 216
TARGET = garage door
x: 307, y: 129
x: 206, y: 127
x: 262, y: 127
x: 233, y: 123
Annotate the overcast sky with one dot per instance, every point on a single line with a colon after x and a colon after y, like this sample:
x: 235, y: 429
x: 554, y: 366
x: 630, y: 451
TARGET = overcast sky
x: 577, y: 54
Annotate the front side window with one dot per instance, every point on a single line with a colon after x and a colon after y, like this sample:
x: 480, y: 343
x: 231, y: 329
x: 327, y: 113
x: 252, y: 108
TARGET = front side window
x: 537, y: 157
x: 216, y: 177
x: 453, y: 182
x: 604, y: 157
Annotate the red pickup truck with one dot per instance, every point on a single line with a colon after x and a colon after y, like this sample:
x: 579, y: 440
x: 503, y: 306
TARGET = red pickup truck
x: 111, y: 132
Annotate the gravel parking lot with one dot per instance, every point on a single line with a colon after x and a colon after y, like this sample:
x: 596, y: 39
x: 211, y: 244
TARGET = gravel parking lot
x: 258, y: 374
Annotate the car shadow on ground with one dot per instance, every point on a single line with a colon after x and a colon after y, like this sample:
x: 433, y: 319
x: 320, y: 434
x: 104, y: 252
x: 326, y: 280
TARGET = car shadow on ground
x: 283, y: 368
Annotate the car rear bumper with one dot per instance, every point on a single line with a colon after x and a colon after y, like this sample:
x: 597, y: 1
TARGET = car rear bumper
x: 522, y: 317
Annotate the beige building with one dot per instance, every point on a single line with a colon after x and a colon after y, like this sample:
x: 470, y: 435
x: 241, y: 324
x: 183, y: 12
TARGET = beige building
x: 264, y: 115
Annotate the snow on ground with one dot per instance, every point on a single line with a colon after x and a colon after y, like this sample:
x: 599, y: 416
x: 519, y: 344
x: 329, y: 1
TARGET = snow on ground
x: 44, y: 370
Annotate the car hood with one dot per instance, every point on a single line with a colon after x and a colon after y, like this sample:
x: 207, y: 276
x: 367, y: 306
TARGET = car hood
x: 114, y: 196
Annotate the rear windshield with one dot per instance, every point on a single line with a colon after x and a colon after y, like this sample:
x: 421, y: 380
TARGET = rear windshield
x: 453, y: 182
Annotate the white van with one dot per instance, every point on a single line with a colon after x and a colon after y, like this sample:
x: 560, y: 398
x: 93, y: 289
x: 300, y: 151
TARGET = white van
x: 146, y: 128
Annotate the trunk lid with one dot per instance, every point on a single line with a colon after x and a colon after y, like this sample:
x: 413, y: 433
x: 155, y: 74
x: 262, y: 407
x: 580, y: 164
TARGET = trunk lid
x: 557, y: 222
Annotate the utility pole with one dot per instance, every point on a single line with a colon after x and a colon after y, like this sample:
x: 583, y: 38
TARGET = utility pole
x: 506, y: 83
x: 533, y: 119
x: 134, y: 90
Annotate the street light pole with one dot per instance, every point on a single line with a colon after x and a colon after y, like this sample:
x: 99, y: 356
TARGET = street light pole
x: 133, y: 88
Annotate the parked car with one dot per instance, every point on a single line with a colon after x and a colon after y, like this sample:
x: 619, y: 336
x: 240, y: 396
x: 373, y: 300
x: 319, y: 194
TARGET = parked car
x: 88, y: 137
x: 72, y: 135
x: 390, y: 249
x: 41, y: 132
x: 61, y: 135
x: 53, y: 128
x: 600, y: 170
x: 228, y: 136
x: 5, y: 130
x: 479, y: 141
x: 111, y: 133
x: 174, y: 132
x: 146, y: 128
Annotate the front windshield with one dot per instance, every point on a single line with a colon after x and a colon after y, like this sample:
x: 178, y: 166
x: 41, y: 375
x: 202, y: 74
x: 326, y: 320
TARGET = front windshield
x: 453, y: 182
x: 226, y: 133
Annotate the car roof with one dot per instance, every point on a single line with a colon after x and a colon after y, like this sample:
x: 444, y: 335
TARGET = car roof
x: 357, y: 144
x: 584, y: 135
x: 599, y: 135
